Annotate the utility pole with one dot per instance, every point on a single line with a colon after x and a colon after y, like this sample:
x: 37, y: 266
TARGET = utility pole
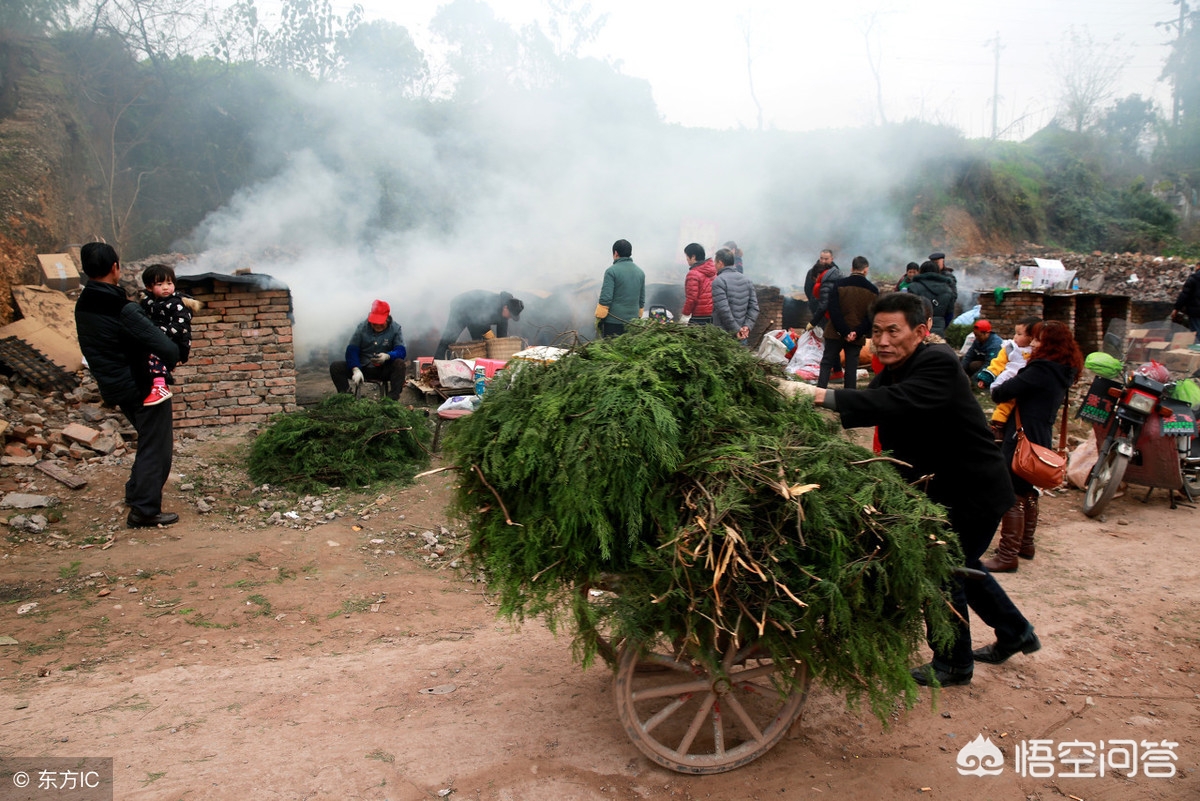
x: 995, y: 42
x: 1183, y: 8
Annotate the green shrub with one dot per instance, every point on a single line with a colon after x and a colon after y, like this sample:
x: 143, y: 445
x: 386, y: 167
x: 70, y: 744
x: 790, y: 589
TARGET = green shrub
x: 667, y: 457
x: 344, y: 441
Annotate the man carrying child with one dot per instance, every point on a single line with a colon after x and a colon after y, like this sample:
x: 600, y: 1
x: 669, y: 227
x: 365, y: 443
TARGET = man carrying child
x: 117, y: 338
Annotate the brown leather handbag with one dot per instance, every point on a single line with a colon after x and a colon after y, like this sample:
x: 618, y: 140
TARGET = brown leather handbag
x: 1040, y: 466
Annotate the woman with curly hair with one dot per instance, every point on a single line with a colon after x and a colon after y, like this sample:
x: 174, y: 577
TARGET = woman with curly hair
x: 1038, y: 389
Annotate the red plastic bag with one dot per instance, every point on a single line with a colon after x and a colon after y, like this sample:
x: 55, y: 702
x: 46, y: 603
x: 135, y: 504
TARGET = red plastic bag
x: 1155, y: 372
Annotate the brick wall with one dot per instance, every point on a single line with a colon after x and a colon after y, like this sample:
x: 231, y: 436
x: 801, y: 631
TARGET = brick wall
x: 242, y: 367
x: 1086, y: 314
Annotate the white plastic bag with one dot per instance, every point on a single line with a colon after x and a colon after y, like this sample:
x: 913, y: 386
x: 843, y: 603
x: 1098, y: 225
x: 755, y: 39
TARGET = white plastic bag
x: 806, y: 361
x: 772, y: 350
x: 1082, y: 460
x: 465, y: 402
x: 455, y: 373
x: 969, y: 316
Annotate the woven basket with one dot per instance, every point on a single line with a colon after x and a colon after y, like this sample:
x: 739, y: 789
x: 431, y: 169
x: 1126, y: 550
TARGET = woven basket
x: 503, y: 348
x: 477, y: 349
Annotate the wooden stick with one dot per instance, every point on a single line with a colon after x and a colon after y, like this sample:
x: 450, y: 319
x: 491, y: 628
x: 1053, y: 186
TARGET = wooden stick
x: 436, y: 470
x: 503, y: 508
x: 538, y: 574
x: 880, y: 459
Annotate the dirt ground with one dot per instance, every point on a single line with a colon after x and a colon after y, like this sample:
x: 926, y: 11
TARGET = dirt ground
x: 261, y: 650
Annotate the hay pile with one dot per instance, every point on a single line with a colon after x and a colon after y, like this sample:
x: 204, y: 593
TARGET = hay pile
x: 342, y: 442
x: 668, y: 458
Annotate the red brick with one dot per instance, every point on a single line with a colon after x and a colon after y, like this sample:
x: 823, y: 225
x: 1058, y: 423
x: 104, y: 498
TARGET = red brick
x: 81, y: 434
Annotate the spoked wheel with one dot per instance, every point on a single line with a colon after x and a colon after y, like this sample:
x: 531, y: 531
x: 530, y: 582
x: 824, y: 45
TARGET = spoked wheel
x: 693, y: 718
x: 1104, y: 481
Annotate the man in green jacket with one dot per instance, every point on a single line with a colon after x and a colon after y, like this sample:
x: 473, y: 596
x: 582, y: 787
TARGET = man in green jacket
x: 623, y: 294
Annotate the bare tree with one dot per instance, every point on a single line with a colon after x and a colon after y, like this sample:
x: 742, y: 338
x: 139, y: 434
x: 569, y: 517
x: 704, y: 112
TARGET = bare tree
x: 874, y: 59
x: 157, y: 30
x: 1087, y: 73
x: 750, y: 66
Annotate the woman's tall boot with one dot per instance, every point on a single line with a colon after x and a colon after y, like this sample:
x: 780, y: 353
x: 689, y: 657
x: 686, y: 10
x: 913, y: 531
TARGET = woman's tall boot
x: 1012, y: 531
x: 1027, y: 549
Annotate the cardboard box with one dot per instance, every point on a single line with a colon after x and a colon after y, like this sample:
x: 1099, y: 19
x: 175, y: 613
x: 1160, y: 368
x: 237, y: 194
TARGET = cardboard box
x: 59, y: 271
x: 49, y: 306
x: 1181, y: 361
x: 1181, y: 339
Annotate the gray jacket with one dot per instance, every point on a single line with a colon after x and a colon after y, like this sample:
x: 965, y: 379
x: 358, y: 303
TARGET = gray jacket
x: 735, y: 303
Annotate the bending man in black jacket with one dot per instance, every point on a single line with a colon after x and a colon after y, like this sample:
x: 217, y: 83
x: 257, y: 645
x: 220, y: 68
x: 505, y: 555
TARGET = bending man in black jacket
x: 117, y: 338
x: 477, y: 311
x: 923, y: 393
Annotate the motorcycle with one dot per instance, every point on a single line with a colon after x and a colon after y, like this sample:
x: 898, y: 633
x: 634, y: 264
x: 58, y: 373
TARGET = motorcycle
x: 1144, y: 434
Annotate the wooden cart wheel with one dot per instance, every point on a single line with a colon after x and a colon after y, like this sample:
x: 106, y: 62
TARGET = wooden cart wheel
x: 692, y: 718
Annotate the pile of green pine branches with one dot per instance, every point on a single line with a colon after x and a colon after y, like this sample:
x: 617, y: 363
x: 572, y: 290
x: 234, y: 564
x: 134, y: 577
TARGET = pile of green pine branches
x: 342, y: 442
x: 667, y: 462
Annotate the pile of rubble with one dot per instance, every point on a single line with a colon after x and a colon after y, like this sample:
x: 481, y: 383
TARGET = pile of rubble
x: 1142, y: 277
x: 65, y: 429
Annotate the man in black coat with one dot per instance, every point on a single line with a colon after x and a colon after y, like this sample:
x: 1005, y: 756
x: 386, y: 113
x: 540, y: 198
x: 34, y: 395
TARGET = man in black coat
x: 922, y: 397
x: 1188, y: 301
x: 116, y: 338
x: 941, y: 292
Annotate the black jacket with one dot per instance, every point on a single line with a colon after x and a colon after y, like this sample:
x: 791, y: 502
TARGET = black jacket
x: 480, y: 310
x: 1188, y: 301
x: 929, y: 418
x: 116, y: 338
x: 1039, y: 389
x: 940, y: 291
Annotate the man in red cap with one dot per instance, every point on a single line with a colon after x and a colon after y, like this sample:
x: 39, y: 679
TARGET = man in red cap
x: 982, y: 346
x: 376, y: 352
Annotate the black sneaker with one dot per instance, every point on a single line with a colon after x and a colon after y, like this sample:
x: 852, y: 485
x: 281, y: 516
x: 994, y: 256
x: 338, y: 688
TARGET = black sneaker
x: 927, y: 675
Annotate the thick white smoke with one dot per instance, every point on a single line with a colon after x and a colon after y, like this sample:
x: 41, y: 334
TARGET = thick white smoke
x: 525, y: 191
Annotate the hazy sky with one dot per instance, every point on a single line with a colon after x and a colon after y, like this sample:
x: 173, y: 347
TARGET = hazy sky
x: 810, y: 63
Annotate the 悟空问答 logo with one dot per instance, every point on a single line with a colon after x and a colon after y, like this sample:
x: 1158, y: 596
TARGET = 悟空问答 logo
x: 980, y: 757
